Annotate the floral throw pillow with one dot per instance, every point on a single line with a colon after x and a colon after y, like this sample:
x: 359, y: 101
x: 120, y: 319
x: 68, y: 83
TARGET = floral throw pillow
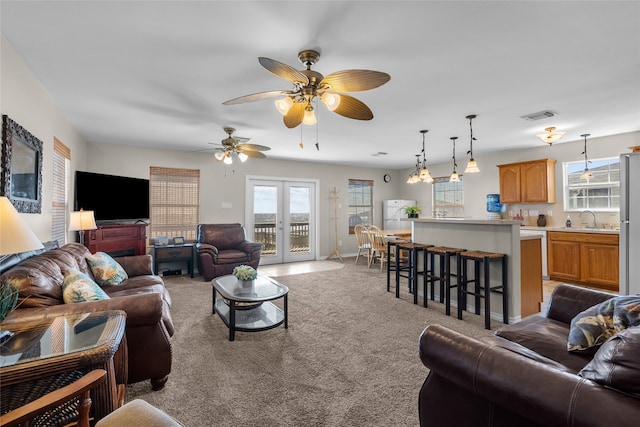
x: 105, y: 269
x: 595, y: 325
x: 79, y: 287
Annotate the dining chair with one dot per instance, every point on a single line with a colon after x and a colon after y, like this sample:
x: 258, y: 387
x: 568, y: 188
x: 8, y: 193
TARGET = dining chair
x: 362, y: 237
x: 378, y: 246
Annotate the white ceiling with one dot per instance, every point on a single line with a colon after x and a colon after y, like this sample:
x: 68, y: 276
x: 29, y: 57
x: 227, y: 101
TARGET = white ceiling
x: 155, y: 73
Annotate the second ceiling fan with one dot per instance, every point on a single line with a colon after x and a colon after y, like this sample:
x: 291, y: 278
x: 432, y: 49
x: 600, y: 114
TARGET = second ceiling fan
x: 297, y: 104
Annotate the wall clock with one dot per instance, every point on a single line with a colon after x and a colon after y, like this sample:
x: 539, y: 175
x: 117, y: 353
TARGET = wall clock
x: 387, y: 177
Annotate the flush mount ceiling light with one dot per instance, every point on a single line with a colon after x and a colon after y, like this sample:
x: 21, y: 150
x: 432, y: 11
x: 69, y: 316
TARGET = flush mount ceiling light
x: 587, y: 173
x: 454, y: 175
x: 235, y: 145
x: 472, y: 166
x: 297, y: 105
x: 550, y: 135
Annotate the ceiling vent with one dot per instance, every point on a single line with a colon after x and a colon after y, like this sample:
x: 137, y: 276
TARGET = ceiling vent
x: 539, y: 115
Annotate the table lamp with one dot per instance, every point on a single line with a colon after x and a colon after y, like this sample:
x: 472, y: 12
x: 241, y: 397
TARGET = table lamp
x: 80, y: 221
x: 16, y: 235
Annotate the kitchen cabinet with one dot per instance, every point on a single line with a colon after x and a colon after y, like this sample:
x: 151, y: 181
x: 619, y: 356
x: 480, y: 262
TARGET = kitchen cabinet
x: 585, y: 258
x: 530, y: 274
x: 528, y: 182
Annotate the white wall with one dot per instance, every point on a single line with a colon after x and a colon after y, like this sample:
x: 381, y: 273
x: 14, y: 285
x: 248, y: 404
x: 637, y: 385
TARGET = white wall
x: 27, y: 102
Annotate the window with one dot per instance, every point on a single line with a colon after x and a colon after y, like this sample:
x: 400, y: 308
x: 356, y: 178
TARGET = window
x: 360, y: 202
x: 600, y: 193
x: 61, y: 159
x: 174, y: 200
x: 448, y: 198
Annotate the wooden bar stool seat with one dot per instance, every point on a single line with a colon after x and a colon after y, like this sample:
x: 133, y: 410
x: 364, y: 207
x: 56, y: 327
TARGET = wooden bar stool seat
x: 443, y: 276
x: 482, y: 283
x: 411, y: 267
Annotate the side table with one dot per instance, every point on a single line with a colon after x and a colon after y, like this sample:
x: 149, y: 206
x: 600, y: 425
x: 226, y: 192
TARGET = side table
x: 45, y: 355
x: 173, y: 253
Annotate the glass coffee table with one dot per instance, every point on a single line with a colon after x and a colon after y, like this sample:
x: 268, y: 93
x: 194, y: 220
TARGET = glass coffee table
x: 246, y: 305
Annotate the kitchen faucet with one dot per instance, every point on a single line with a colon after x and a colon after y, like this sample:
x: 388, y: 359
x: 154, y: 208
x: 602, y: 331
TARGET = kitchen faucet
x: 594, y: 217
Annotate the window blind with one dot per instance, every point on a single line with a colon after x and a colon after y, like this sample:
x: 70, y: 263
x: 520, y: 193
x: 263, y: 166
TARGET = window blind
x: 174, y: 202
x: 61, y: 159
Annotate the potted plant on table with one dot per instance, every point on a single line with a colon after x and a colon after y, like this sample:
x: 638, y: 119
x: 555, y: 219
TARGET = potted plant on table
x: 245, y: 273
x: 412, y: 211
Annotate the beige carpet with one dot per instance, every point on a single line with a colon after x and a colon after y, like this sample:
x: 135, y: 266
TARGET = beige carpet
x: 349, y: 357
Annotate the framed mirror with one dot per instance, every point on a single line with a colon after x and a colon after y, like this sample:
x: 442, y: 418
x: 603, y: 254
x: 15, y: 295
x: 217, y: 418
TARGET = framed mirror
x: 21, y: 178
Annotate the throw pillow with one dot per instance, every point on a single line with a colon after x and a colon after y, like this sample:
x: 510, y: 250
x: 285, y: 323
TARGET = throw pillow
x: 597, y: 324
x: 617, y: 363
x: 105, y: 269
x: 79, y: 287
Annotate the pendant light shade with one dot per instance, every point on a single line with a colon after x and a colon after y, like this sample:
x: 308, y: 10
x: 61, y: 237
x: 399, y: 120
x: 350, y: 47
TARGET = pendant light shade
x: 421, y: 174
x: 472, y: 166
x: 550, y: 135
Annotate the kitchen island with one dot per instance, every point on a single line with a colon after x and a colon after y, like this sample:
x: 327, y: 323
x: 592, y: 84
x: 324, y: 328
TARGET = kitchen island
x: 501, y: 236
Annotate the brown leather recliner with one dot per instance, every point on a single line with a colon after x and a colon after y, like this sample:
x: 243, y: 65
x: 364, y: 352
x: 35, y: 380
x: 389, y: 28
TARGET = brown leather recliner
x: 222, y: 247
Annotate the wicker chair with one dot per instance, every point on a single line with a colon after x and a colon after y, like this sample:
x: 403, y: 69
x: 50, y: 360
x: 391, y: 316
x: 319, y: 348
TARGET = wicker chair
x: 137, y: 412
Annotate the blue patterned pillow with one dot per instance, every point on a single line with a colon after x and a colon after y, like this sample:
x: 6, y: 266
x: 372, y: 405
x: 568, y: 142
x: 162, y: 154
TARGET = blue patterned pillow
x: 105, y: 269
x: 79, y: 287
x: 595, y: 325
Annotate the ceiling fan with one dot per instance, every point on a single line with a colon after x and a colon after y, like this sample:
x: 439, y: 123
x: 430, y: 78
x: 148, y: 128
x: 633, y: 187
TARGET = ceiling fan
x: 297, y: 104
x: 237, y: 145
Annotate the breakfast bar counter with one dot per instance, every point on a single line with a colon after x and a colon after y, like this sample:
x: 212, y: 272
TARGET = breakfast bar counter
x: 500, y: 236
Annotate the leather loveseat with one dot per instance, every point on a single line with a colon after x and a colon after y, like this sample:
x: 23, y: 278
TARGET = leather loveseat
x: 222, y: 247
x: 525, y: 376
x: 142, y: 296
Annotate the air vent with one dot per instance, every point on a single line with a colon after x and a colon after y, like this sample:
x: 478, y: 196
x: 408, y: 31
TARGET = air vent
x: 379, y: 153
x: 539, y: 115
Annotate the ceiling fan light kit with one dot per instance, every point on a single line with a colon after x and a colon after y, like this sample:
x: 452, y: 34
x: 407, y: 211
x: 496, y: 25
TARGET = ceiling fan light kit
x: 297, y: 104
x: 237, y: 146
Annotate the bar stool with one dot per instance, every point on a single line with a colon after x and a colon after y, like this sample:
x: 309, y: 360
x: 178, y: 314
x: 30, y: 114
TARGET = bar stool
x: 481, y: 290
x: 392, y: 248
x: 412, y: 249
x: 444, y: 253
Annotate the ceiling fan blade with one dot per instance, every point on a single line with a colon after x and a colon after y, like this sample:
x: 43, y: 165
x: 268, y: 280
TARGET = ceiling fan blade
x: 352, y: 108
x: 257, y: 97
x: 253, y: 147
x: 354, y: 80
x: 253, y: 154
x: 294, y: 116
x: 284, y: 71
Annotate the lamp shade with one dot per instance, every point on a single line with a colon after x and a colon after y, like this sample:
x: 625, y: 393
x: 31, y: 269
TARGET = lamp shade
x: 82, y: 220
x: 16, y: 236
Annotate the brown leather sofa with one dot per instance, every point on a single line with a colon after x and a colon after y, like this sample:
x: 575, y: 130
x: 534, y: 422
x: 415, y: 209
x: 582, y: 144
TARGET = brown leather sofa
x: 524, y: 375
x: 222, y: 247
x: 142, y: 296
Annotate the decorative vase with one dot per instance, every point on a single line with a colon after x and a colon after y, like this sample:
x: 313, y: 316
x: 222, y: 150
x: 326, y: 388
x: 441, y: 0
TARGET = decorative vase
x: 413, y: 215
x: 542, y: 221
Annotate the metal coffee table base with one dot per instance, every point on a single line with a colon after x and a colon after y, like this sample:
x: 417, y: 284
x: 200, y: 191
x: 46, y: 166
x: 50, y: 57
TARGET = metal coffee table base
x: 261, y: 318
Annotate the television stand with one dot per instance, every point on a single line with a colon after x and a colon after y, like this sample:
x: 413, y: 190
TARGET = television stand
x: 117, y: 239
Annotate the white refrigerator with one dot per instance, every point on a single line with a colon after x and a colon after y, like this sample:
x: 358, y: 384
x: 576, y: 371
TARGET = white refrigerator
x: 392, y: 211
x: 630, y: 223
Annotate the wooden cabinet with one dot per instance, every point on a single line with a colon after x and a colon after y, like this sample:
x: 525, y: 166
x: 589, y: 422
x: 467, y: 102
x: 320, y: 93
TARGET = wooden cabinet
x: 117, y: 239
x: 528, y: 182
x: 590, y: 259
x: 530, y: 275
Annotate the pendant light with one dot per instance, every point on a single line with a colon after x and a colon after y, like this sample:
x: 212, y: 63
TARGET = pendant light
x: 415, y: 175
x: 425, y: 176
x: 587, y: 173
x: 550, y: 135
x: 472, y: 166
x: 454, y: 175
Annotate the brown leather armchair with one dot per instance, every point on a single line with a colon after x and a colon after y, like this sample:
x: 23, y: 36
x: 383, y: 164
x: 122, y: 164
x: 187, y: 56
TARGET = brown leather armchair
x: 222, y: 247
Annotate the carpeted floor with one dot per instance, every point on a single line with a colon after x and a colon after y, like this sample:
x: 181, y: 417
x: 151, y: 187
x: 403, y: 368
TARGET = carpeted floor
x: 348, y: 358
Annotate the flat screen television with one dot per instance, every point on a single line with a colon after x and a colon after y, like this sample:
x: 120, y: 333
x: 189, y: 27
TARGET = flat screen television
x: 112, y: 198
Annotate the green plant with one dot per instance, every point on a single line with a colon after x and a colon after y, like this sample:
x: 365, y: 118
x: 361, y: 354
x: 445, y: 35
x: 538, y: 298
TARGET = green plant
x: 245, y: 272
x: 8, y: 299
x: 412, y: 210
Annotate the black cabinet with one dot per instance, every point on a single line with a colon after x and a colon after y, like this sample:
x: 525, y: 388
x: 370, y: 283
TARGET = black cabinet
x: 173, y: 253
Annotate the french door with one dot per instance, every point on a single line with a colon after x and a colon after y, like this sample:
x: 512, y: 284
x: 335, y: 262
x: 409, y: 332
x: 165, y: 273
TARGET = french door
x: 281, y: 213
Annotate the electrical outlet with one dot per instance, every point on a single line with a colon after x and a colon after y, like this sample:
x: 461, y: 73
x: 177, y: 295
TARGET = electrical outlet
x: 525, y: 213
x: 226, y: 205
x: 549, y: 212
x: 339, y: 242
